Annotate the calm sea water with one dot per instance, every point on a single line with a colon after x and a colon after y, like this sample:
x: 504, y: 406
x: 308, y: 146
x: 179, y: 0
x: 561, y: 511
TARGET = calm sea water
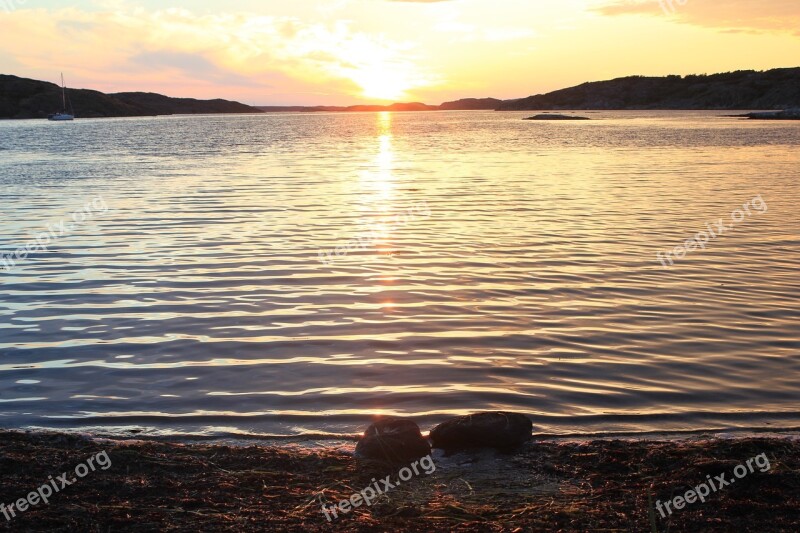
x: 189, y: 295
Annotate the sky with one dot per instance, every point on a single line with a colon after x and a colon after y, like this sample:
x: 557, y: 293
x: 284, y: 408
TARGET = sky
x: 342, y: 52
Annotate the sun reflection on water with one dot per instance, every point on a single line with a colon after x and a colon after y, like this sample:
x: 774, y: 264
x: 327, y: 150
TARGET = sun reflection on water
x: 378, y: 186
x: 378, y: 178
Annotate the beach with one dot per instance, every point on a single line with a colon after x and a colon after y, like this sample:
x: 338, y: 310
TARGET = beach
x: 600, y: 485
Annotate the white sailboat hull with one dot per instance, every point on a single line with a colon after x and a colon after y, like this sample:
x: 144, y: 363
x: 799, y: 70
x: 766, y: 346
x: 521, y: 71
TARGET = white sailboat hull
x: 60, y: 117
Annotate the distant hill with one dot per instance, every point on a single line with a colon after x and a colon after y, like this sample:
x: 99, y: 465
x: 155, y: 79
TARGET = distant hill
x: 26, y: 98
x: 165, y: 105
x: 414, y: 106
x: 471, y: 104
x: 746, y: 89
x: 467, y: 104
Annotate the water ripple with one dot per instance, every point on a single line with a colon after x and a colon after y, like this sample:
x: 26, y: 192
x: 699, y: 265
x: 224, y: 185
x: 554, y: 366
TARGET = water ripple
x: 198, y: 303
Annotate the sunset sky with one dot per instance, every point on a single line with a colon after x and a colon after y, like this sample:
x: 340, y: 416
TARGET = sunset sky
x: 268, y: 52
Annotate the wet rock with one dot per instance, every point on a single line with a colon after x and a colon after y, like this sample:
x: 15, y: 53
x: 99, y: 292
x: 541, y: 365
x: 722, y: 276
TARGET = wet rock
x: 499, y: 430
x: 393, y: 440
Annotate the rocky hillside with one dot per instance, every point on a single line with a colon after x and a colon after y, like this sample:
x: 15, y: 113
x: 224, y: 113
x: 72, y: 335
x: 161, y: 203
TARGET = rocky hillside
x: 471, y: 104
x: 164, y: 105
x: 26, y: 98
x: 747, y: 89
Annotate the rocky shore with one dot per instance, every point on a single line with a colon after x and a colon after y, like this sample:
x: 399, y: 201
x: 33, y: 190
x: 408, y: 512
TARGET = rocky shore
x: 604, y: 485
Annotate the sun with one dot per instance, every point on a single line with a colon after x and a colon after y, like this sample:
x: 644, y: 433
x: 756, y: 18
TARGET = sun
x: 381, y: 69
x: 382, y: 83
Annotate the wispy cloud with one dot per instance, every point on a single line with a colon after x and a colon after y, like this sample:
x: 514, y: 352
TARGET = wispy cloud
x: 240, y: 51
x: 732, y: 15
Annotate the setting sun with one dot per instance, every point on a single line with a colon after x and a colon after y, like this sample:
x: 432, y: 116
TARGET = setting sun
x: 383, y: 74
x: 382, y: 85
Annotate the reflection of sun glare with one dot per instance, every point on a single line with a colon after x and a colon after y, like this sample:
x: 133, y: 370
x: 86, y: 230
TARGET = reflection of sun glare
x: 379, y: 176
x: 378, y: 188
x: 385, y: 158
x: 385, y: 123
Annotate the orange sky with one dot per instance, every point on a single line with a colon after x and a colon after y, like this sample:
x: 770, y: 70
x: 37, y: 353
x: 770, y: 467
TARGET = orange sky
x: 354, y: 51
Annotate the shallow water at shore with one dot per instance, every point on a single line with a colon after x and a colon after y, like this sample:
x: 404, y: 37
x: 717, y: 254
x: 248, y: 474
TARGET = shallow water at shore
x: 522, y: 275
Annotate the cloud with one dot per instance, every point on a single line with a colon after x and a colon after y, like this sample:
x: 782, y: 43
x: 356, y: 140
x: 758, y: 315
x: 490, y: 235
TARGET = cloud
x: 185, y: 51
x: 190, y: 65
x: 465, y: 32
x: 730, y: 15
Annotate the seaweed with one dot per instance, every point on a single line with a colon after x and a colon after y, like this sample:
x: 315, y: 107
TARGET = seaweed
x: 603, y: 485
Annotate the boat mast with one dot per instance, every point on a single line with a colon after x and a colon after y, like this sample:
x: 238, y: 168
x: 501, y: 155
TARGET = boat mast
x: 63, y: 94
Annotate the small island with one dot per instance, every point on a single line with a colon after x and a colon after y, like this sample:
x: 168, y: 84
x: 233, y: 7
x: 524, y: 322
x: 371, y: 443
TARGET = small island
x: 788, y: 114
x: 550, y: 116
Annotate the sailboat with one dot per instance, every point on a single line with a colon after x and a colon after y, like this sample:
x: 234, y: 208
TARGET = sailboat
x: 63, y: 115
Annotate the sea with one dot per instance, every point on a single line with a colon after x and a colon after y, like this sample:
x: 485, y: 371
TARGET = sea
x: 294, y: 275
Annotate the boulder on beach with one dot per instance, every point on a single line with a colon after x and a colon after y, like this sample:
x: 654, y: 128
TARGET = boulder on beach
x: 498, y: 430
x: 551, y: 116
x: 392, y: 440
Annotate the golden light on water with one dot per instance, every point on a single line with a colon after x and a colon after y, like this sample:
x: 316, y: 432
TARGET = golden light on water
x: 385, y: 123
x: 378, y: 179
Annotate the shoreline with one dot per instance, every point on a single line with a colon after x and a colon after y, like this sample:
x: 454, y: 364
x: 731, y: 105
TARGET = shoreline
x: 607, y: 484
x: 323, y: 438
x: 744, y: 113
x: 331, y: 437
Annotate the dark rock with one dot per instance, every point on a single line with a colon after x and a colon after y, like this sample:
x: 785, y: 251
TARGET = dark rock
x: 483, y: 430
x: 548, y: 116
x: 393, y: 440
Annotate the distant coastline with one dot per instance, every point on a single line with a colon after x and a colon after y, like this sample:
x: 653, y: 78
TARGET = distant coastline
x: 776, y: 89
x: 745, y: 89
x: 22, y: 98
x: 465, y: 104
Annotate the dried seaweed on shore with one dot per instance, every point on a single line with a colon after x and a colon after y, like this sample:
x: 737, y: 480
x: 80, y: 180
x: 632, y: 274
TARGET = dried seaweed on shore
x: 547, y: 486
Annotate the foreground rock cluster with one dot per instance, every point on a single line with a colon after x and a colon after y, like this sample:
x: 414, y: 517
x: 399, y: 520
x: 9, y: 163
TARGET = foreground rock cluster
x: 398, y: 440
